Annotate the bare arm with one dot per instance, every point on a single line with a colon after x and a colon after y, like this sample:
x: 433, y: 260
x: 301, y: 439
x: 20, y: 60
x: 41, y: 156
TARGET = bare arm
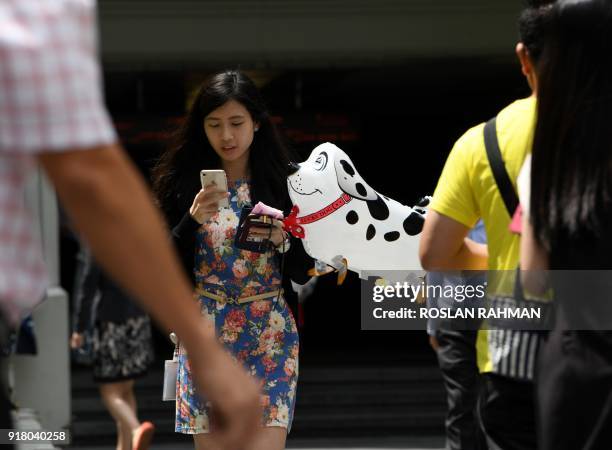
x: 444, y: 245
x: 110, y: 205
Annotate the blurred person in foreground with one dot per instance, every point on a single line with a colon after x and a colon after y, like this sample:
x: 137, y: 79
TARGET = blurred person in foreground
x: 52, y: 113
x: 567, y: 228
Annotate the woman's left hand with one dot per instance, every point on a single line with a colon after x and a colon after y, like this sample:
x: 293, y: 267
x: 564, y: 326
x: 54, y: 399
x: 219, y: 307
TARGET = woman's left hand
x: 276, y: 237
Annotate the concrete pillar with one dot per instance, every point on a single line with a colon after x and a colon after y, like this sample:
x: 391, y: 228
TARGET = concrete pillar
x: 42, y: 381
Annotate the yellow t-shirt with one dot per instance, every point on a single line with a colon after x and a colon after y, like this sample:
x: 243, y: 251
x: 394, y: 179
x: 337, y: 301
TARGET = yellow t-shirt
x: 467, y: 191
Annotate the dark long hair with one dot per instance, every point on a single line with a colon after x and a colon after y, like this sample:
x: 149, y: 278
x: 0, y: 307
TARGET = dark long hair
x: 571, y: 188
x: 176, y: 177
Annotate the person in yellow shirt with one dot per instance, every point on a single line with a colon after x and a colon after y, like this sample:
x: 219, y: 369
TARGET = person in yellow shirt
x: 466, y: 192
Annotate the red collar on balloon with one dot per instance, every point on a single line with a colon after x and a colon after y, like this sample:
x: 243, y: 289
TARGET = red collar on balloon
x: 293, y: 224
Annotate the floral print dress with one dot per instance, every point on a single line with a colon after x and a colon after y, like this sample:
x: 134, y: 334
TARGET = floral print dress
x: 261, y: 334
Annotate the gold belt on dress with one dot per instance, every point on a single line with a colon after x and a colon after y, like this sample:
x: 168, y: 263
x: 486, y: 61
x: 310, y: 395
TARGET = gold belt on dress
x: 222, y: 298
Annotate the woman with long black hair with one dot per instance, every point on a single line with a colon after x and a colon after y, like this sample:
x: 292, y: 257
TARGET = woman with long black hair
x: 570, y: 224
x: 229, y: 128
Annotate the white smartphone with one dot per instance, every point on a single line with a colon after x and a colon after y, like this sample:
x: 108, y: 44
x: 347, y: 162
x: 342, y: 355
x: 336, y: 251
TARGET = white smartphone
x: 218, y: 177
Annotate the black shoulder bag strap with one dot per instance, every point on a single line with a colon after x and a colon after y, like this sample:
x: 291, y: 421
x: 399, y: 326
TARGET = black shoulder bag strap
x: 502, y: 179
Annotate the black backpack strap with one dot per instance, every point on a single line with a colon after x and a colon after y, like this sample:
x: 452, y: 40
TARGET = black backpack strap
x: 502, y: 179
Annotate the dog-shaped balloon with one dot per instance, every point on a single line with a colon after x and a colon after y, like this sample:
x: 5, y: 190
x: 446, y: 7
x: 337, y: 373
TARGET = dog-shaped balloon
x: 343, y: 221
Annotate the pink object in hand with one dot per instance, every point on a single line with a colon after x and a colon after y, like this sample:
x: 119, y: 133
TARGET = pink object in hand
x: 516, y: 225
x: 265, y: 210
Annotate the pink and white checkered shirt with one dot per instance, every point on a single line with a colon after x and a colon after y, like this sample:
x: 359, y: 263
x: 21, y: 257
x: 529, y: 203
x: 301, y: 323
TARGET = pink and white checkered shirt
x: 50, y: 101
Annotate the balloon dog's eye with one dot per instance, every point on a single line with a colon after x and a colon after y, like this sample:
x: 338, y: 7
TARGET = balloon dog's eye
x: 321, y: 161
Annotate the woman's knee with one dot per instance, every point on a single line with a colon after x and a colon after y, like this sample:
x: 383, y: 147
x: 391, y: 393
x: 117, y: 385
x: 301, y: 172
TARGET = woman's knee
x: 203, y: 441
x: 269, y: 438
x: 109, y: 391
x: 121, y: 389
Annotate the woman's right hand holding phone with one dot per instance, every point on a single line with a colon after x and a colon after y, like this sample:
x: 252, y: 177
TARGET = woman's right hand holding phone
x: 206, y: 203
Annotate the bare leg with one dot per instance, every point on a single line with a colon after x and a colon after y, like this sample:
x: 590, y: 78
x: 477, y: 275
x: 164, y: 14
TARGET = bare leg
x: 203, y: 442
x: 114, y: 398
x: 131, y: 398
x: 269, y: 438
x: 120, y: 437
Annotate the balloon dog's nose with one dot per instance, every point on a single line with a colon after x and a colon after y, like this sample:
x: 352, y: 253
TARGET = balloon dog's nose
x: 293, y: 167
